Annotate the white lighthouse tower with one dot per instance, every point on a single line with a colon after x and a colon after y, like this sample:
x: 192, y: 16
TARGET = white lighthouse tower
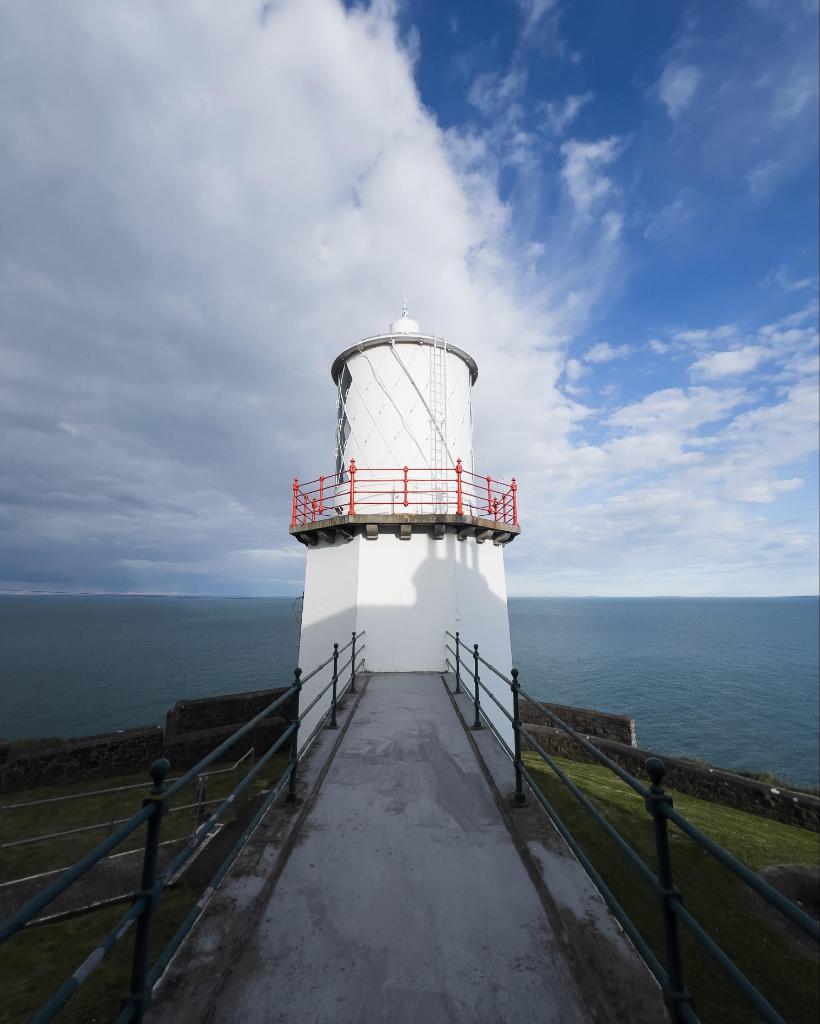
x: 404, y: 539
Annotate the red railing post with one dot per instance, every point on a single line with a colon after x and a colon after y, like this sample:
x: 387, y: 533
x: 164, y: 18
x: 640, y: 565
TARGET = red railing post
x: 501, y: 504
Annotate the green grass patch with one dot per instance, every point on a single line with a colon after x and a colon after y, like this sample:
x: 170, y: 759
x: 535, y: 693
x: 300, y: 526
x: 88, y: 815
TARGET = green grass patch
x: 782, y: 967
x: 37, y: 961
x: 98, y: 810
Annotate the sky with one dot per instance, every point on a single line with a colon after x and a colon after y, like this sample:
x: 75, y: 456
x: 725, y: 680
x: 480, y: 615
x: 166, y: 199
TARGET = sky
x: 611, y: 205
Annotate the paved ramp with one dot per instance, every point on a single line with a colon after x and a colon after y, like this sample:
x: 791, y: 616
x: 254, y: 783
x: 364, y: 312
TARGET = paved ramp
x: 404, y: 899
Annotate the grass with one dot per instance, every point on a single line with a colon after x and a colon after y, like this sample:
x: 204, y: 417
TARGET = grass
x: 36, y: 961
x: 782, y: 967
x: 32, y: 858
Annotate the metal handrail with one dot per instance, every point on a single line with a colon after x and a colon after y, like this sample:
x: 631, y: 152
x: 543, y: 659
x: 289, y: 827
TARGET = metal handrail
x: 204, y: 829
x: 324, y: 690
x: 762, y: 888
x: 321, y: 723
x: 110, y: 789
x: 111, y: 821
x: 611, y: 831
x: 154, y: 808
x: 215, y: 754
x: 659, y: 805
x: 451, y: 489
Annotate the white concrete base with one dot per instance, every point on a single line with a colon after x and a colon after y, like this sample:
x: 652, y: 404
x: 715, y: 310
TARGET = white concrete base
x: 405, y: 594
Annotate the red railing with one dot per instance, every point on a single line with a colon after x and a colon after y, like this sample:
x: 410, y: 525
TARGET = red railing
x: 357, y: 491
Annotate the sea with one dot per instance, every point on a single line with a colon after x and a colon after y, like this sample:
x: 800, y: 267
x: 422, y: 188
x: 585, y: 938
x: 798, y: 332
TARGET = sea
x: 731, y: 681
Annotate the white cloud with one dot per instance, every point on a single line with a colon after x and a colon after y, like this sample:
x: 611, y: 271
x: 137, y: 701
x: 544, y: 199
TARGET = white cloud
x: 731, y: 363
x: 669, y: 218
x: 801, y: 366
x: 763, y: 177
x: 534, y: 12
x: 781, y: 277
x: 797, y: 94
x: 779, y: 434
x: 603, y: 352
x: 677, y: 410
x: 575, y: 370
x: 677, y: 86
x: 560, y: 115
x: 491, y: 92
x: 703, y: 336
x: 582, y: 170
x: 659, y: 347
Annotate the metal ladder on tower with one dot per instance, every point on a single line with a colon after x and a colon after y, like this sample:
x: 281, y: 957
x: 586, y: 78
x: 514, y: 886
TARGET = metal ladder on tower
x: 438, y: 426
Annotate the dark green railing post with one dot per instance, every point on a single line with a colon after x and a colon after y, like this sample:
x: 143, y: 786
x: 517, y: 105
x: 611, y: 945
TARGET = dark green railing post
x: 458, y: 663
x: 138, y: 996
x: 519, y: 778
x: 476, y: 701
x: 676, y: 993
x: 333, y: 724
x: 353, y: 666
x: 294, y: 737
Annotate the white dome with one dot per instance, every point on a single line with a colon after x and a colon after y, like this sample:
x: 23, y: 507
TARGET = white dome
x: 404, y: 325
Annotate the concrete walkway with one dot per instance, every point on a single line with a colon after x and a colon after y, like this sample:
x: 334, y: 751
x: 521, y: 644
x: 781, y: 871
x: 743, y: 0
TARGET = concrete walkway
x: 404, y: 898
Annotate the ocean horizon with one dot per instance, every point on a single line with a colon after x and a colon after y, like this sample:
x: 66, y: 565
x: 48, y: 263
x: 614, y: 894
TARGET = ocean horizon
x: 732, y: 681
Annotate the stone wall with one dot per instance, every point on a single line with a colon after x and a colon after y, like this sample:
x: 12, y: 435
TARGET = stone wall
x: 620, y: 728
x: 88, y: 757
x: 693, y: 778
x: 193, y: 728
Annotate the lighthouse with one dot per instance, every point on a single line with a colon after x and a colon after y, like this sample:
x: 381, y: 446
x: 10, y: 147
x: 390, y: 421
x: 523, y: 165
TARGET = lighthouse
x: 404, y: 536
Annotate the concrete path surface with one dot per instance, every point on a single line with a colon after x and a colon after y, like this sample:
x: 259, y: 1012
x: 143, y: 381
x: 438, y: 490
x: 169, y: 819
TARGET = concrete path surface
x: 404, y: 898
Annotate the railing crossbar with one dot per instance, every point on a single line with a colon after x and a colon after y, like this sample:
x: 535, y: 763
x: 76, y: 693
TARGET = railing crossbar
x: 321, y: 723
x: 31, y: 908
x: 659, y: 805
x: 324, y: 690
x: 741, y: 982
x: 165, y: 957
x: 507, y: 749
x: 625, y: 921
x: 90, y: 964
x: 768, y: 892
x: 589, y: 807
x: 630, y: 780
x: 481, y: 684
x: 204, y: 829
x: 492, y: 668
x: 215, y: 754
x: 189, y: 921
